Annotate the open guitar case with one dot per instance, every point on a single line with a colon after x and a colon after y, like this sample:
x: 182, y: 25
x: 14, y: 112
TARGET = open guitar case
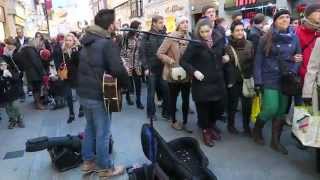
x: 180, y: 159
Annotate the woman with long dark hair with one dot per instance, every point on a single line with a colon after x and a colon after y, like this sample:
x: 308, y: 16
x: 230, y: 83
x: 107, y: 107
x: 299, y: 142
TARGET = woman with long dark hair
x: 278, y: 48
x: 132, y: 62
x: 203, y: 61
x: 239, y: 67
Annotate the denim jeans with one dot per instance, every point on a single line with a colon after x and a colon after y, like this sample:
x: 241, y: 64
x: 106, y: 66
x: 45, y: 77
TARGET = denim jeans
x: 155, y: 81
x: 68, y: 97
x: 13, y: 111
x: 95, y: 145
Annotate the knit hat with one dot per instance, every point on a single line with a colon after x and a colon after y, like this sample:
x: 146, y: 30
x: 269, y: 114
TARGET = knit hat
x: 280, y: 13
x: 311, y: 9
x: 258, y: 18
x: 180, y: 19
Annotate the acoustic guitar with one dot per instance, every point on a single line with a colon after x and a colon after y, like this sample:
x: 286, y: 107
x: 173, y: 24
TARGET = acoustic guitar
x: 111, y: 94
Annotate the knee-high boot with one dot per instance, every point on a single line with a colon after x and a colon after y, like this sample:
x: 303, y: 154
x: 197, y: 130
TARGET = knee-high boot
x: 277, y: 127
x: 257, y: 133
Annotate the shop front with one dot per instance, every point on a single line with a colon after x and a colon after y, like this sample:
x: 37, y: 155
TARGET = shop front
x: 169, y: 9
x: 19, y: 17
x: 197, y: 5
x: 2, y: 23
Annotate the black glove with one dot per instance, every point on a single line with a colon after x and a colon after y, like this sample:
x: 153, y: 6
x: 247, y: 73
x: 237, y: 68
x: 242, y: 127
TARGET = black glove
x: 258, y: 88
x: 307, y: 101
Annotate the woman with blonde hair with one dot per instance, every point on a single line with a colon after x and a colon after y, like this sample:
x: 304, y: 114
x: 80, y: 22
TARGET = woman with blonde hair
x: 70, y: 57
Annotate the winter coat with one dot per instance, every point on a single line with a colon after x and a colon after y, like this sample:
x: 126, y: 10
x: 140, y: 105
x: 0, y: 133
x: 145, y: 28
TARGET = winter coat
x: 312, y: 78
x: 245, y: 54
x: 18, y: 43
x: 30, y: 62
x: 9, y: 87
x: 267, y: 69
x: 72, y: 61
x: 307, y: 41
x: 98, y: 55
x: 254, y: 36
x: 130, y: 55
x: 150, y: 46
x: 172, y: 50
x: 199, y: 57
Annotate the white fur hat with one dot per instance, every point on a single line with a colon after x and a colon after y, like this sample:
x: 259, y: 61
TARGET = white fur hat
x: 180, y: 19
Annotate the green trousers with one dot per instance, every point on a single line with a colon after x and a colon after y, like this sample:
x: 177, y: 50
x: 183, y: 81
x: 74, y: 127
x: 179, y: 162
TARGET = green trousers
x: 274, y: 105
x: 13, y: 111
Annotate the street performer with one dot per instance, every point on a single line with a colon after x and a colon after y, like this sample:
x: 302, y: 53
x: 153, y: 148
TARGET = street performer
x: 98, y: 55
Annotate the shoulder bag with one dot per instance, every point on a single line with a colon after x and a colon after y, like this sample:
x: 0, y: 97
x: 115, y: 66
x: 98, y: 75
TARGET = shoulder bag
x: 63, y: 70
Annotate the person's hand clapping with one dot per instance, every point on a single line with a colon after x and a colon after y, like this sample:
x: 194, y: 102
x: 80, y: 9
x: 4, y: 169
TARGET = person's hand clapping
x: 198, y: 75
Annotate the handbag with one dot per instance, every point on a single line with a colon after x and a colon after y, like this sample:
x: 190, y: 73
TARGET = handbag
x: 290, y: 82
x: 256, y: 108
x: 178, y: 74
x: 248, y: 83
x: 63, y: 70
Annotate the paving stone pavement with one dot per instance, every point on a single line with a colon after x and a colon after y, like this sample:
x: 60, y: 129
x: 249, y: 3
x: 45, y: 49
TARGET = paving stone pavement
x: 234, y: 158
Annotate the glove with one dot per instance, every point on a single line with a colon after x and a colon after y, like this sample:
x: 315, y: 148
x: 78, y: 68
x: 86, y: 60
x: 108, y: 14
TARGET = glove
x: 225, y: 58
x: 258, y: 88
x: 198, y: 75
x: 307, y: 101
x: 7, y: 73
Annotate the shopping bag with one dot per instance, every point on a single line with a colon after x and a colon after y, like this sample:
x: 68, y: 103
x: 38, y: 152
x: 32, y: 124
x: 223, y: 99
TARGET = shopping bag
x: 306, y: 127
x: 256, y: 108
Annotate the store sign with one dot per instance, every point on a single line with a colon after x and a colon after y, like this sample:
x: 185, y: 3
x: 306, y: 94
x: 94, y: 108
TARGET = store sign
x: 242, y: 3
x: 2, y: 14
x: 174, y: 8
x: 19, y: 21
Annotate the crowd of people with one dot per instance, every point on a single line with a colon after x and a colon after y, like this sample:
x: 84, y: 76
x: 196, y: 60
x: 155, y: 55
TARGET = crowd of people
x: 218, y: 64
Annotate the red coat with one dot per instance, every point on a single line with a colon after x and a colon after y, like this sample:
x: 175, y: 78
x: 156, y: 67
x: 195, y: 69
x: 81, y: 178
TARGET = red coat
x: 305, y: 36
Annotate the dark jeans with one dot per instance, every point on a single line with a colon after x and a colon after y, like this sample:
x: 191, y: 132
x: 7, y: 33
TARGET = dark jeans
x: 234, y: 94
x: 154, y: 82
x: 69, y: 98
x: 174, y: 90
x: 137, y: 86
x: 209, y: 112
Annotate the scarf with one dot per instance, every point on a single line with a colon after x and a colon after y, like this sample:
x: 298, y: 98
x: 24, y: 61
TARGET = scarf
x: 311, y: 25
x: 282, y: 36
x: 97, y: 30
x: 237, y: 43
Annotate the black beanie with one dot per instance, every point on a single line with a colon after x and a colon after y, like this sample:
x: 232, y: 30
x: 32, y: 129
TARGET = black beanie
x: 311, y: 9
x: 280, y: 13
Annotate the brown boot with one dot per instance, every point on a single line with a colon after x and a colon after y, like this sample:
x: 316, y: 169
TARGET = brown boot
x: 207, y: 138
x: 38, y: 104
x: 257, y: 133
x: 88, y: 166
x: 116, y: 171
x: 277, y: 126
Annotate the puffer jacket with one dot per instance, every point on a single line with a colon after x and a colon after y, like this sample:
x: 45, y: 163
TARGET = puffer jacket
x: 254, y: 36
x: 98, y: 55
x: 150, y: 46
x: 245, y: 54
x: 172, y: 50
x: 312, y: 78
x: 267, y: 71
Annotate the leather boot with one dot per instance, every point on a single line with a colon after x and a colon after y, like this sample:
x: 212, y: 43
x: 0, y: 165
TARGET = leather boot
x: 257, y: 133
x: 128, y: 98
x: 139, y: 104
x: 207, y: 139
x: 38, y: 103
x: 231, y: 127
x: 277, y: 127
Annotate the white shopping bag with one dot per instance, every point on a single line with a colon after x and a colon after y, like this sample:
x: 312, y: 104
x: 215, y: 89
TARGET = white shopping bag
x: 306, y: 127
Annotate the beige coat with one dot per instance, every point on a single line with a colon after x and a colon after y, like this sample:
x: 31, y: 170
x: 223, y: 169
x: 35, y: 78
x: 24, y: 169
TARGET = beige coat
x: 170, y: 53
x: 312, y: 78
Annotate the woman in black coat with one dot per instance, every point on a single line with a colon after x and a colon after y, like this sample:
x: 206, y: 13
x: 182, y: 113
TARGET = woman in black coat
x: 70, y: 56
x: 203, y: 61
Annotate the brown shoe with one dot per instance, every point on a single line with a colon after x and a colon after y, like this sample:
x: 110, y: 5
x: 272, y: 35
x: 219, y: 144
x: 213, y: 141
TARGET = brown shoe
x: 88, y: 166
x: 177, y: 126
x: 116, y: 171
